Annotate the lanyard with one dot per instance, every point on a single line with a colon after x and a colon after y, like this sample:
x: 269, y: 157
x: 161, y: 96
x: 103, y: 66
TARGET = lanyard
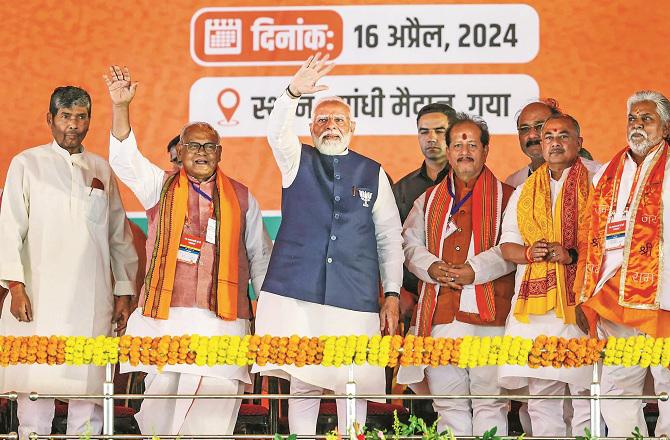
x: 201, y: 192
x: 456, y: 206
x: 206, y: 197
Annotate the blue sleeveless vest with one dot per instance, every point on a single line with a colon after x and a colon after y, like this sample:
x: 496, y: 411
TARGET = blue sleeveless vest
x: 326, y: 249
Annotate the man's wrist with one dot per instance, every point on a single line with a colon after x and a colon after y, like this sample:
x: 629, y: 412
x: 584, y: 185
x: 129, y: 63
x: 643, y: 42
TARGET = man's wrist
x: 391, y: 294
x: 574, y: 256
x: 290, y: 93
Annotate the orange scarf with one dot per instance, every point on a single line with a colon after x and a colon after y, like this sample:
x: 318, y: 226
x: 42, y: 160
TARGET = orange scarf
x: 159, y: 281
x: 546, y: 286
x: 486, y: 216
x: 642, y: 262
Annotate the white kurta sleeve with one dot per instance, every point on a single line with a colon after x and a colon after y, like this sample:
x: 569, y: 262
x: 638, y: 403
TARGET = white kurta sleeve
x: 286, y: 146
x: 14, y: 221
x: 418, y: 258
x: 490, y: 265
x: 136, y: 171
x: 123, y: 256
x: 510, y: 226
x: 388, y: 231
x: 258, y: 244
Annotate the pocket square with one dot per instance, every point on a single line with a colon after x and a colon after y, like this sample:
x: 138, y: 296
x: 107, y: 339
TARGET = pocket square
x: 97, y: 184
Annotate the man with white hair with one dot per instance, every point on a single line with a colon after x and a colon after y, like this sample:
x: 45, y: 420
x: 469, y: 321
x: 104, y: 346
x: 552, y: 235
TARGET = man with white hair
x: 206, y: 241
x: 624, y: 272
x: 340, y: 231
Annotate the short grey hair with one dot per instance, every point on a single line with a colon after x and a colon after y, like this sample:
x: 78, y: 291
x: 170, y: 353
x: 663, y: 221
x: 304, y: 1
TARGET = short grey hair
x: 198, y: 124
x: 662, y: 103
x: 68, y: 97
x: 337, y: 99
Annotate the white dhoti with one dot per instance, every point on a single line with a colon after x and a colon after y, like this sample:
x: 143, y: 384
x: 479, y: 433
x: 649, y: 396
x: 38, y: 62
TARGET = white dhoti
x: 547, y: 415
x: 622, y: 416
x: 463, y: 417
x: 83, y: 416
x: 189, y: 416
x: 277, y: 315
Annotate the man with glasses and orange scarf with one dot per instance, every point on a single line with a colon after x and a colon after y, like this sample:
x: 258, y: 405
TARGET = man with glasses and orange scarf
x: 625, y: 276
x: 206, y: 242
x: 541, y: 234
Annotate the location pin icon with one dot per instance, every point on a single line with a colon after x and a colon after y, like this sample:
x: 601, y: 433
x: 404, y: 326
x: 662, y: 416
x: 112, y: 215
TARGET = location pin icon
x: 228, y: 101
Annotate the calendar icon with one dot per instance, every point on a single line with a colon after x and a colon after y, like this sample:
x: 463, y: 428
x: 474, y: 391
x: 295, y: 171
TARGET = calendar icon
x: 223, y: 36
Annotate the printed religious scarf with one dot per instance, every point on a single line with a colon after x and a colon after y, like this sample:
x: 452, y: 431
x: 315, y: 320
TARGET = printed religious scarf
x: 546, y: 286
x: 487, y: 197
x: 642, y: 258
x: 159, y: 281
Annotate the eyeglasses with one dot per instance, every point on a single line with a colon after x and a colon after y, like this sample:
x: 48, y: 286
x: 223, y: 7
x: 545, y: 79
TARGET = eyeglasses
x: 525, y: 129
x: 194, y: 147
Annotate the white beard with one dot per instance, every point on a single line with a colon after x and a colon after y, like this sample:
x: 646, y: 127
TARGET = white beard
x: 332, y: 147
x: 642, y: 147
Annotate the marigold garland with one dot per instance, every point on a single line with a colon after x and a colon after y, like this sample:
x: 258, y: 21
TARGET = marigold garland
x: 387, y: 351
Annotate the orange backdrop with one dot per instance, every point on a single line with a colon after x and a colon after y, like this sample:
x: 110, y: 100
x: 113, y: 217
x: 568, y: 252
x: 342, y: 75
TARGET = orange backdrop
x: 592, y: 56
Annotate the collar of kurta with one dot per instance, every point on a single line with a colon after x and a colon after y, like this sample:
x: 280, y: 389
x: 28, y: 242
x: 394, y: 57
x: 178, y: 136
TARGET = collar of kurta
x: 76, y: 159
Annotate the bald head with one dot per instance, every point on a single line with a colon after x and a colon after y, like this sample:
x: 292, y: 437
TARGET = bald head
x: 529, y: 125
x: 199, y: 150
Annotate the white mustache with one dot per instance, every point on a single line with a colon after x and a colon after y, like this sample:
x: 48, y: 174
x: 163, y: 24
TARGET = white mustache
x: 637, y: 131
x: 329, y: 133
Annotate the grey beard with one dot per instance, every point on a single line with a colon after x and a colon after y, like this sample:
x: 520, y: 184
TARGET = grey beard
x: 643, y: 146
x: 330, y: 147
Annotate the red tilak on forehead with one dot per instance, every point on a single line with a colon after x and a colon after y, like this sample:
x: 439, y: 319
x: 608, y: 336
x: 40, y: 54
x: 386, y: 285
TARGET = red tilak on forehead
x: 464, y: 136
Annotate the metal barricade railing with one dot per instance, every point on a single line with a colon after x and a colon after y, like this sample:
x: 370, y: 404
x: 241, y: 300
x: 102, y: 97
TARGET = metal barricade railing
x: 108, y: 397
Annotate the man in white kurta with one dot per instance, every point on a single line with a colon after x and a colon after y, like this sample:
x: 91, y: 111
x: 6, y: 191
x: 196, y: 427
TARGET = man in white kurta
x: 462, y: 306
x: 279, y: 314
x: 546, y: 415
x: 64, y: 234
x: 188, y: 312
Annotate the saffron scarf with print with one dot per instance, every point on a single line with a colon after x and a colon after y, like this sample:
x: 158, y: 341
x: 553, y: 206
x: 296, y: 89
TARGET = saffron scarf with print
x: 487, y: 197
x: 159, y: 281
x: 642, y: 263
x: 549, y: 286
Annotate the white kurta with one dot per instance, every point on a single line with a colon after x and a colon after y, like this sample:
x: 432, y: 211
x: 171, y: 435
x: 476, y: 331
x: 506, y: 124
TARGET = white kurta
x: 282, y: 316
x: 513, y: 376
x: 64, y: 239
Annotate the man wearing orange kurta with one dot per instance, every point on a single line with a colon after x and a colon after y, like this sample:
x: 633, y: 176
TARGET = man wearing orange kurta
x: 624, y: 271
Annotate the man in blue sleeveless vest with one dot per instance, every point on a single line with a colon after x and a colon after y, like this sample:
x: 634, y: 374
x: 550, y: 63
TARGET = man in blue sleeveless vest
x: 340, y: 231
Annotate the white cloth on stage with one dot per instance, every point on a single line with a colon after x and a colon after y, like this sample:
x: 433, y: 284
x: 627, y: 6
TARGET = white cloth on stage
x: 464, y: 417
x: 83, y: 416
x: 64, y: 239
